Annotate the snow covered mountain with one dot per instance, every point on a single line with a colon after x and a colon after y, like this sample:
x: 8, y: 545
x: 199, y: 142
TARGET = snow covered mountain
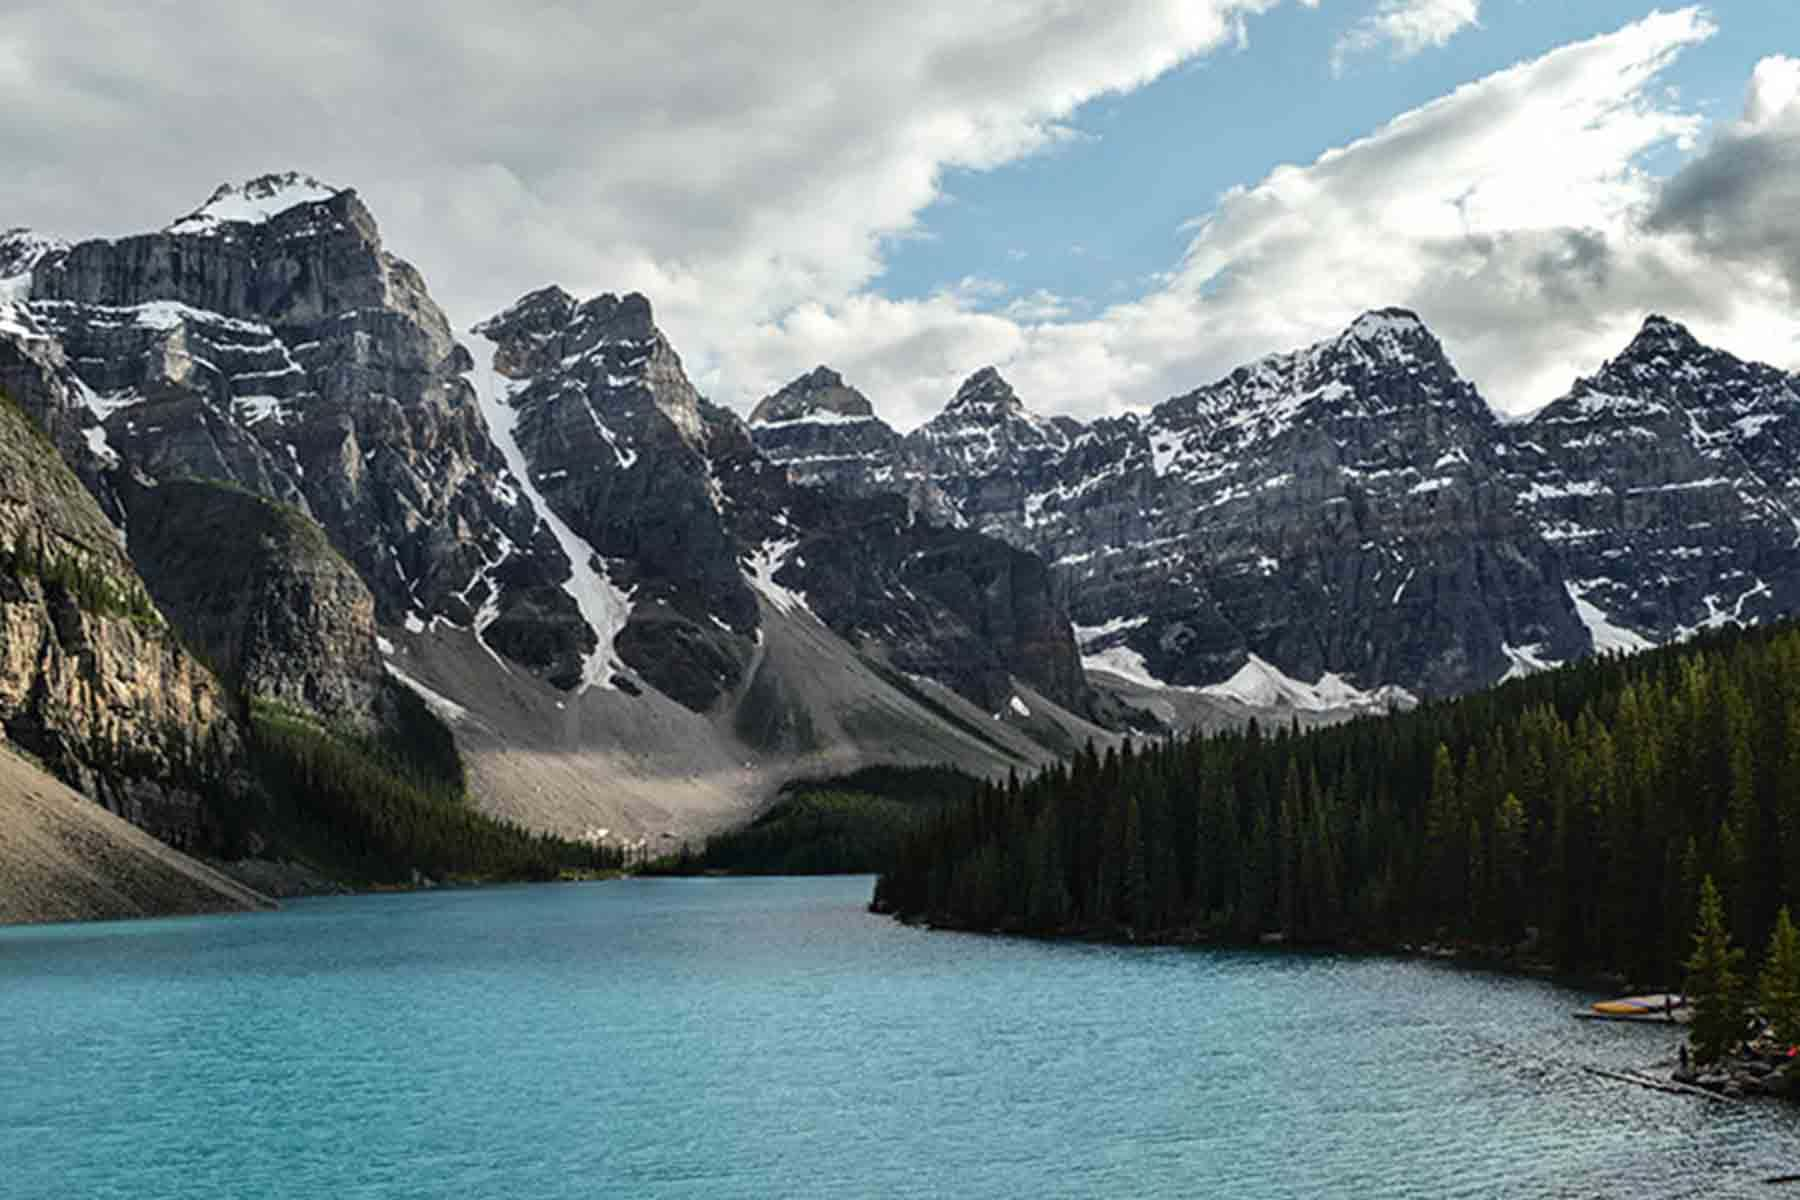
x: 1668, y: 484
x: 631, y: 617
x: 1350, y: 525
x: 691, y: 525
x: 597, y: 575
x: 269, y: 340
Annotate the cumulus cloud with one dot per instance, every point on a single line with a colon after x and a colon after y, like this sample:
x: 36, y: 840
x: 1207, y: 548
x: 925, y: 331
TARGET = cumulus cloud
x: 1510, y: 213
x: 1740, y: 199
x: 1406, y: 28
x: 735, y: 161
x: 747, y: 167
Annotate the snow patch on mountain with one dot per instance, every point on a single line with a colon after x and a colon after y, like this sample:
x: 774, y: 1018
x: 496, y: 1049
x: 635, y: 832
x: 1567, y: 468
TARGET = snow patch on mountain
x: 20, y: 252
x: 254, y: 202
x: 603, y: 606
x: 760, y: 568
x: 1608, y: 637
x: 1526, y: 660
x: 1261, y: 684
x: 1087, y: 635
x: 437, y: 702
x: 1123, y: 662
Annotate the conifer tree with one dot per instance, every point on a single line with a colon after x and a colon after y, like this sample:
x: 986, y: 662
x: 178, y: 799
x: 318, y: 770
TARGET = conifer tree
x: 1778, y: 986
x: 1713, y: 985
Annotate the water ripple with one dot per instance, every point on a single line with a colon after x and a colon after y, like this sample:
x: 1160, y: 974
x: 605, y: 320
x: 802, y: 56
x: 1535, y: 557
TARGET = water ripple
x: 725, y: 1038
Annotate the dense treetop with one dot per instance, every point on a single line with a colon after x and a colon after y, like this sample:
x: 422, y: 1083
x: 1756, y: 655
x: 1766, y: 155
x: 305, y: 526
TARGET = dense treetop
x: 1581, y: 807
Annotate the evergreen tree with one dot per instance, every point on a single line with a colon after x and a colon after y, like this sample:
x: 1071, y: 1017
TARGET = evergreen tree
x: 1588, y: 803
x: 1713, y: 985
x: 1778, y: 986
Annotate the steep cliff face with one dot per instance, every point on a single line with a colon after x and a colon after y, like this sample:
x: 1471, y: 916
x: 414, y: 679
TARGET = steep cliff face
x: 1353, y: 514
x: 612, y: 437
x: 986, y: 451
x: 686, y: 519
x: 1336, y: 512
x: 258, y: 588
x: 1667, y: 485
x: 270, y: 340
x: 92, y: 680
x: 35, y: 371
x: 1314, y: 528
x: 946, y: 604
x: 826, y: 432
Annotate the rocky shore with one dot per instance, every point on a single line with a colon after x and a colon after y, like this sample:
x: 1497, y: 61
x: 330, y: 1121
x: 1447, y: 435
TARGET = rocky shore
x: 1759, y: 1069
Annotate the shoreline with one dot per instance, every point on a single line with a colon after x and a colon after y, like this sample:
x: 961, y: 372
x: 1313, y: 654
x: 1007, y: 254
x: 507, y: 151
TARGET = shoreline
x: 1746, y: 1074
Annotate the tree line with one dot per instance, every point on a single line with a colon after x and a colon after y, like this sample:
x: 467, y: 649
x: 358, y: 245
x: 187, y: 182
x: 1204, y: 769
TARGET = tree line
x: 847, y: 825
x: 1571, y: 815
x: 375, y: 810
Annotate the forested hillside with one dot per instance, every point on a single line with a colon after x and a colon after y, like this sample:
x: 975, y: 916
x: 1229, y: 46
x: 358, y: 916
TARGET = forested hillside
x: 1581, y: 806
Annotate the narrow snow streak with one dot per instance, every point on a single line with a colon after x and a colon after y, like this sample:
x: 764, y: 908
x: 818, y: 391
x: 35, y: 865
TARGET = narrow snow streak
x: 603, y: 606
x: 439, y: 703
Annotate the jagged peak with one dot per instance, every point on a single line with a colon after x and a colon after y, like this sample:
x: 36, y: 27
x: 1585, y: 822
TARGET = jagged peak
x: 607, y: 317
x: 1661, y: 335
x: 627, y: 316
x: 544, y: 310
x: 1397, y: 334
x: 1386, y: 320
x: 254, y: 201
x: 20, y: 252
x: 820, y: 376
x: 819, y: 391
x: 986, y: 391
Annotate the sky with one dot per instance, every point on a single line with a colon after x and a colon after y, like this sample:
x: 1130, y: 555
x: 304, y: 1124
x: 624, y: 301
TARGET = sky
x: 1114, y: 203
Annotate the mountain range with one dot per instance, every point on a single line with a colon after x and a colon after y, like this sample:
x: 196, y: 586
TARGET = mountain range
x: 638, y: 613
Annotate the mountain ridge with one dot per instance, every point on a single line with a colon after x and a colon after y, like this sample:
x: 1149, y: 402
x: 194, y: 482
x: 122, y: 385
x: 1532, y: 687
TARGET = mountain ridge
x: 566, y: 548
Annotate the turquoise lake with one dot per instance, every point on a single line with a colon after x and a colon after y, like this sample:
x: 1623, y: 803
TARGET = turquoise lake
x: 712, y: 1038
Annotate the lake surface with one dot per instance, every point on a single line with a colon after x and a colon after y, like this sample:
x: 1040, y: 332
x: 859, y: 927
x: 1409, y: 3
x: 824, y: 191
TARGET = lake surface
x: 725, y: 1038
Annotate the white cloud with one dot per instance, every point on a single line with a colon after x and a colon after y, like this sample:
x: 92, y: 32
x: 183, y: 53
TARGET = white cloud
x: 1040, y: 305
x: 1739, y: 201
x: 746, y: 170
x: 732, y: 160
x: 1406, y: 27
x: 1511, y: 213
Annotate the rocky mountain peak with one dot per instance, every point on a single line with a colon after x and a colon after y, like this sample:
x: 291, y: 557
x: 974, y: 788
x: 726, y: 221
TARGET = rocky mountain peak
x: 535, y: 315
x: 254, y: 201
x: 1661, y: 338
x: 549, y: 331
x: 621, y: 318
x: 819, y: 391
x: 986, y: 392
x: 20, y: 251
x: 1394, y: 335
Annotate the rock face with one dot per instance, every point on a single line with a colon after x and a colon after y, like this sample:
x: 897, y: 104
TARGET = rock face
x: 1334, y: 512
x: 564, y: 495
x: 258, y: 588
x: 1667, y: 485
x: 93, y: 683
x: 269, y: 340
x: 1339, y: 514
x: 826, y: 432
x: 1354, y: 514
x: 686, y: 520
x: 614, y: 440
x: 947, y: 604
